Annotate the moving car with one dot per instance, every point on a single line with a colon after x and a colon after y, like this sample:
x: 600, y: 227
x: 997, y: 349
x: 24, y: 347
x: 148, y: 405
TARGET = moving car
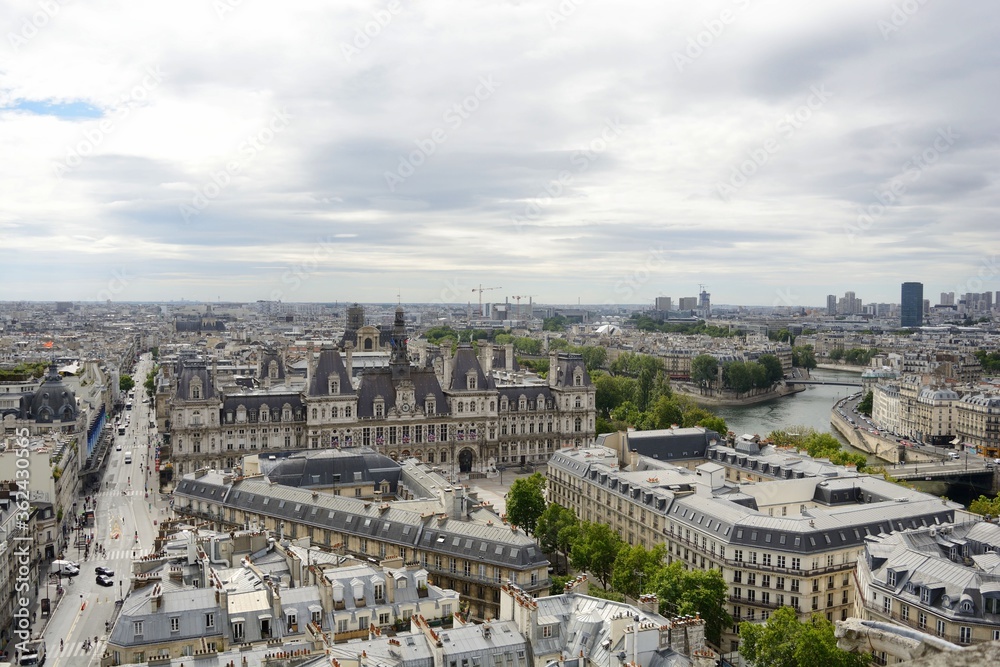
x: 105, y: 571
x: 105, y: 581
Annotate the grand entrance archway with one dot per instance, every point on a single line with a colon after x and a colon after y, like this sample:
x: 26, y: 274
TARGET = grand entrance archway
x: 465, y: 460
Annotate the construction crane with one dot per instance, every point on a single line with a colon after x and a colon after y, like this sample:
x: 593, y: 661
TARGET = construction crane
x: 482, y: 289
x: 518, y: 299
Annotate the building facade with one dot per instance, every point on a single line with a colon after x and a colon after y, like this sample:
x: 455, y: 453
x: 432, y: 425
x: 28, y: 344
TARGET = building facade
x: 449, y: 412
x: 789, y: 534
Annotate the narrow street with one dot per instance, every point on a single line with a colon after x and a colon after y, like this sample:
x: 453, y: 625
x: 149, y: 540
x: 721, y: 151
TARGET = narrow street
x: 127, y: 506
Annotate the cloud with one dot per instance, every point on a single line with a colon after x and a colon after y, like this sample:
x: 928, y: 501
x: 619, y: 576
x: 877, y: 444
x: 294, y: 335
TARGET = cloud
x: 144, y: 139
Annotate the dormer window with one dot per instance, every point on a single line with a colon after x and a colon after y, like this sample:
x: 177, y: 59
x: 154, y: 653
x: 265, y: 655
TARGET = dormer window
x: 334, y: 384
x: 578, y: 379
x: 470, y: 381
x: 196, y: 389
x: 925, y: 595
x: 379, y: 408
x: 967, y: 607
x: 891, y: 578
x: 431, y: 406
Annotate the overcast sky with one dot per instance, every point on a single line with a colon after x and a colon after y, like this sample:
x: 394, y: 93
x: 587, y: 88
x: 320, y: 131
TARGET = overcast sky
x: 608, y: 152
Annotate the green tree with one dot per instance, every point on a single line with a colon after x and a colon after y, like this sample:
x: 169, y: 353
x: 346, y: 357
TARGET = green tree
x: 557, y: 323
x: 150, y: 384
x: 526, y: 501
x: 694, y: 591
x: 125, y: 383
x: 558, y: 344
x: 803, y: 356
x: 526, y: 345
x: 613, y: 390
x: 595, y: 550
x: 784, y: 641
x: 636, y: 566
x: 557, y: 529
x: 772, y: 367
x: 714, y: 423
x: 704, y: 370
x: 594, y: 356
x: 986, y: 505
x: 736, y: 376
x: 865, y: 405
x: 836, y: 354
x: 666, y: 413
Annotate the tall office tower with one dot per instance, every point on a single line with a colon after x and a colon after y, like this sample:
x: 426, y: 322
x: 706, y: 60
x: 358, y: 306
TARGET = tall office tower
x: 705, y: 303
x: 663, y: 303
x: 688, y: 303
x: 831, y: 304
x: 912, y: 305
x: 947, y: 298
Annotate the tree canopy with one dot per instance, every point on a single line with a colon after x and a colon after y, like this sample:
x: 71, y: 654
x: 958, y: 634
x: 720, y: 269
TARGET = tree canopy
x: 784, y: 641
x: 865, y: 404
x: 595, y: 550
x: 819, y: 446
x: 803, y: 356
x: 526, y: 501
x: 125, y: 383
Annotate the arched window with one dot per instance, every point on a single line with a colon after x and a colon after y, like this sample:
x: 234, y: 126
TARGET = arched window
x: 461, y: 404
x: 577, y: 424
x: 577, y: 403
x: 492, y: 406
x: 347, y: 411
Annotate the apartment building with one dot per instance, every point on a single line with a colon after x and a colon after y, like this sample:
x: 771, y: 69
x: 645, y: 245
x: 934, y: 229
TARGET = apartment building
x: 460, y: 542
x: 789, y: 533
x: 978, y: 423
x: 943, y: 580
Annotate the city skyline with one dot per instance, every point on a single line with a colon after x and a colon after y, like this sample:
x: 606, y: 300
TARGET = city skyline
x: 570, y: 151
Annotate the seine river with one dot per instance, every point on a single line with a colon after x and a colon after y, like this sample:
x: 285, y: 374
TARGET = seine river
x: 807, y: 408
x: 812, y: 408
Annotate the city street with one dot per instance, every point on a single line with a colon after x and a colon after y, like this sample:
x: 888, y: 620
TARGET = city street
x: 123, y: 527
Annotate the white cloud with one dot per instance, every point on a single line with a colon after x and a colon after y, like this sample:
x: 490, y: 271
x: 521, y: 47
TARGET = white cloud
x: 655, y: 184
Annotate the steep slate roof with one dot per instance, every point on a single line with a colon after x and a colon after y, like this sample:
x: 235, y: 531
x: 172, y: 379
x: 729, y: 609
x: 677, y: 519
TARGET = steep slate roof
x: 466, y: 361
x: 188, y: 371
x: 567, y: 364
x: 496, y: 545
x: 379, y: 383
x: 330, y: 363
x: 335, y: 466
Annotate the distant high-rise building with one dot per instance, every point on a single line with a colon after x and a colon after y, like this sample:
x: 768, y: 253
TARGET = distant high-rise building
x: 831, y: 304
x: 663, y: 303
x: 687, y: 303
x: 705, y: 303
x: 355, y: 317
x: 947, y: 298
x: 912, y: 305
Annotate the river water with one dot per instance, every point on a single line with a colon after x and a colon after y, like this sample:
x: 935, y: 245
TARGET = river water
x: 810, y: 408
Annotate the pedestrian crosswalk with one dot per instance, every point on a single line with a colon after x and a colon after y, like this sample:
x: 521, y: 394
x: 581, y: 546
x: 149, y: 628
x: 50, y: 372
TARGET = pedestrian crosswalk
x: 119, y: 494
x: 72, y: 649
x: 121, y: 554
